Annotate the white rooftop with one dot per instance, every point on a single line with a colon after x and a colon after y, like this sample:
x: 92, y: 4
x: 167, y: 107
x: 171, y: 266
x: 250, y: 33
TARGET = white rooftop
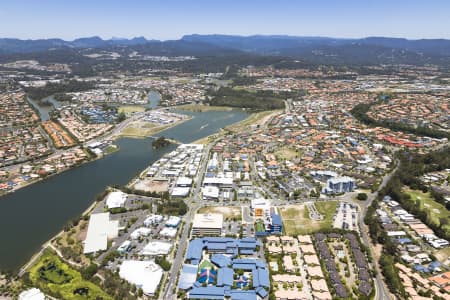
x: 210, y: 192
x: 184, y: 181
x: 260, y: 203
x: 208, y: 221
x: 99, y: 230
x: 32, y: 294
x: 173, y: 221
x: 156, y: 248
x: 141, y: 231
x: 168, y: 232
x: 116, y: 199
x: 144, y: 274
x: 180, y: 191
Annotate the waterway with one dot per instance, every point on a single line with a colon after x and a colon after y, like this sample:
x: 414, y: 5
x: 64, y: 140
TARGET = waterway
x: 44, y: 110
x: 154, y: 98
x: 32, y: 215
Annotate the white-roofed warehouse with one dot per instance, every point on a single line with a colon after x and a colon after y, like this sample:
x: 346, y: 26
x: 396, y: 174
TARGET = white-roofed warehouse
x: 144, y: 274
x: 100, y: 229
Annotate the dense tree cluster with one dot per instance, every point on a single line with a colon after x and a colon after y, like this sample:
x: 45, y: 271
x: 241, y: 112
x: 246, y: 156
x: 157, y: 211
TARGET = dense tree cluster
x: 244, y: 80
x: 260, y: 100
x: 390, y: 272
x: 117, y: 287
x: 175, y: 207
x: 160, y: 142
x: 163, y: 263
x: 38, y: 93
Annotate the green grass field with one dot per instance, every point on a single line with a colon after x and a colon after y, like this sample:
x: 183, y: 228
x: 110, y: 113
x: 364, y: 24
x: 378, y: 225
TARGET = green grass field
x: 57, y: 278
x: 286, y: 153
x: 253, y: 119
x: 142, y: 129
x: 129, y: 109
x: 442, y: 254
x: 296, y: 218
x: 434, y: 209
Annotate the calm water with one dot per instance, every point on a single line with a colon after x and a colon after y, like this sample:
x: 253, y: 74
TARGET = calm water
x: 154, y: 98
x: 43, y: 110
x: 32, y: 215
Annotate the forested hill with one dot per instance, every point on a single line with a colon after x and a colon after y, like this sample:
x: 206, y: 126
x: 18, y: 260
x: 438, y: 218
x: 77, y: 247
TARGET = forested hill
x: 372, y: 50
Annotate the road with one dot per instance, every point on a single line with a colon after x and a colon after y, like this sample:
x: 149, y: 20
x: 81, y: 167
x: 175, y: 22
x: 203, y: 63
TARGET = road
x: 194, y: 203
x: 381, y: 290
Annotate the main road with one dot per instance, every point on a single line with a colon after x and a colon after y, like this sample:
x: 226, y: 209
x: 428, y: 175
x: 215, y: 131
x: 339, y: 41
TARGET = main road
x: 194, y: 203
x: 381, y: 290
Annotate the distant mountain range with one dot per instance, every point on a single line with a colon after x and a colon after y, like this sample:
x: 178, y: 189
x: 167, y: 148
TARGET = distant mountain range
x: 280, y: 44
x: 10, y: 45
x: 323, y: 49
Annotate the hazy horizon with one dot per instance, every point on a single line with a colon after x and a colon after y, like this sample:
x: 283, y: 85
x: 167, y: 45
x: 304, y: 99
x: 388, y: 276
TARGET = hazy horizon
x: 170, y: 20
x: 237, y: 35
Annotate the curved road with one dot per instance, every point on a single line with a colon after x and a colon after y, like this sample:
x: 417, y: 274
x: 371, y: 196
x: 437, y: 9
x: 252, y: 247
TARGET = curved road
x: 381, y: 290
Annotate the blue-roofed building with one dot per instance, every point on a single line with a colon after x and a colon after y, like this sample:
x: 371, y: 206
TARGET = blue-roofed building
x: 246, y: 251
x: 435, y: 266
x: 223, y: 254
x: 194, y: 251
x: 209, y: 292
x: 225, y: 277
x: 247, y: 264
x: 247, y: 243
x: 260, y: 278
x: 221, y: 260
x: 404, y: 241
x: 262, y: 292
x: 243, y: 295
x: 421, y: 269
x: 276, y: 225
x: 188, y: 276
x: 217, y: 247
x: 220, y: 245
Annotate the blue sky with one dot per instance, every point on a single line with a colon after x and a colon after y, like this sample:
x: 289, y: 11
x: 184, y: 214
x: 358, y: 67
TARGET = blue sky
x: 170, y: 19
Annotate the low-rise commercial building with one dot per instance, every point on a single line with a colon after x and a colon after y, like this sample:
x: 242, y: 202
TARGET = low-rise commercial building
x: 207, y: 224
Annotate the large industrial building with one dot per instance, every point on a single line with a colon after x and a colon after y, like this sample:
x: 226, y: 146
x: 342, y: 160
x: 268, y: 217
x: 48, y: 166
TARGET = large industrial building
x: 100, y: 229
x: 144, y: 274
x: 207, y: 224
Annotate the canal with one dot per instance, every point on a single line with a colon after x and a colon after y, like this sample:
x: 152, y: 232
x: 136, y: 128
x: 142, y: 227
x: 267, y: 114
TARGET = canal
x: 32, y: 215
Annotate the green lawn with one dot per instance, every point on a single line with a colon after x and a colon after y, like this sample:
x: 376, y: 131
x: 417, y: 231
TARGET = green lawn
x: 129, y: 109
x: 57, y: 278
x: 296, y: 218
x: 434, y: 209
x: 442, y: 254
x: 327, y: 209
x: 259, y: 226
x: 206, y: 264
